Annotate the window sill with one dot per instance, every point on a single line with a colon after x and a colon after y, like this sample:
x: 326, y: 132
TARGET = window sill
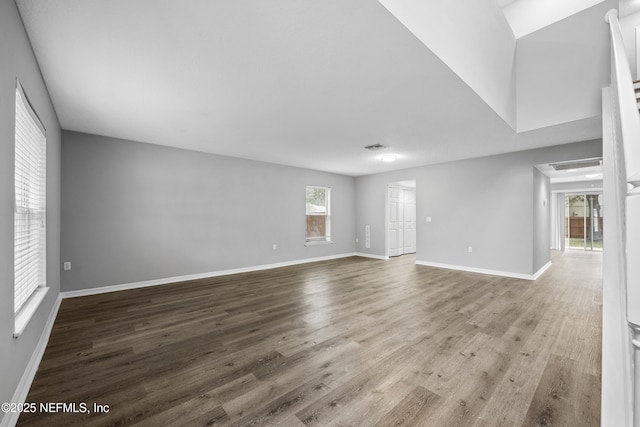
x: 28, y: 310
x: 318, y: 242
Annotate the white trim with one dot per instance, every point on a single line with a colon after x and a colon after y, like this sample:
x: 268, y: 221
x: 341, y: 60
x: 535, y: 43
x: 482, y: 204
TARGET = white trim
x: 27, y: 311
x: 317, y: 242
x: 326, y: 239
x: 542, y: 270
x: 486, y: 271
x: 592, y: 190
x: 382, y: 257
x: 20, y: 395
x: 635, y: 341
x: 168, y: 280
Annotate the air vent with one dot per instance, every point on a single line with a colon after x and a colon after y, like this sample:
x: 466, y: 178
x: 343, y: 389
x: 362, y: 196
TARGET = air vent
x: 375, y: 147
x: 578, y: 164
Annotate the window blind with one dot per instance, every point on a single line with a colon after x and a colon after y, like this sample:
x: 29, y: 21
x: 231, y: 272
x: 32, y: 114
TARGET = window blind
x: 30, y: 202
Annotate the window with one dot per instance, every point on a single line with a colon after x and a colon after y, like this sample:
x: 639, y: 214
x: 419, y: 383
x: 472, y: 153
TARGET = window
x: 30, y: 212
x: 318, y: 201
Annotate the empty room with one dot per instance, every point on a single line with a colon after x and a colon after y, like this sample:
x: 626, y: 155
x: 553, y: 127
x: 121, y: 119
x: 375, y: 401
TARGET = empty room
x: 310, y: 213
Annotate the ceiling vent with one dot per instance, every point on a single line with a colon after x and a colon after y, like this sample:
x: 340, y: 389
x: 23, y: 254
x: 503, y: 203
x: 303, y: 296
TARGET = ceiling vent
x: 577, y: 164
x: 375, y: 147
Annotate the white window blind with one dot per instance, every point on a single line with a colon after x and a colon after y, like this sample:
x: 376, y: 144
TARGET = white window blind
x: 30, y: 203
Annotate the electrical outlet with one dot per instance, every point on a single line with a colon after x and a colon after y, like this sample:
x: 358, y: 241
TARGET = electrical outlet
x: 470, y: 249
x: 428, y: 219
x: 67, y: 265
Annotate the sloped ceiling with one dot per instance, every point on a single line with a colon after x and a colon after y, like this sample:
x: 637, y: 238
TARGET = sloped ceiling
x: 559, y: 69
x: 536, y: 63
x: 296, y: 82
x: 474, y: 39
x: 528, y: 16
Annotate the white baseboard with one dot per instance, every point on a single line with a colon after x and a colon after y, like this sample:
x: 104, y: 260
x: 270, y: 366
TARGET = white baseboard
x: 486, y: 271
x: 371, y: 256
x: 542, y: 270
x: 167, y: 280
x: 20, y: 395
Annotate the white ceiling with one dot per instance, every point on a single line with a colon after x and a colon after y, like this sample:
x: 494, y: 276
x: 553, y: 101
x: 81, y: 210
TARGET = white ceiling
x: 296, y: 82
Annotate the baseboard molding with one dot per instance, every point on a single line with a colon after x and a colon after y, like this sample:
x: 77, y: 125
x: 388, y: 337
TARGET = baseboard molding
x: 542, y: 270
x: 167, y: 280
x: 371, y: 256
x: 20, y: 395
x: 486, y: 271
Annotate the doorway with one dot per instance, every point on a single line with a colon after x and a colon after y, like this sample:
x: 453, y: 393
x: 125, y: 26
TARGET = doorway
x: 401, y: 219
x: 583, y: 221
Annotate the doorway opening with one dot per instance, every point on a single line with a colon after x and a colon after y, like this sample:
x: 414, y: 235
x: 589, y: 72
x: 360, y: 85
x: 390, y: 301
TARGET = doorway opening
x: 401, y: 218
x: 583, y: 221
x: 576, y: 203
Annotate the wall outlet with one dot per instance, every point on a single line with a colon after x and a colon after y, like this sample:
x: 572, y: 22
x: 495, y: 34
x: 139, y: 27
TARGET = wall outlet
x: 470, y: 249
x: 66, y: 265
x: 275, y: 246
x: 428, y: 219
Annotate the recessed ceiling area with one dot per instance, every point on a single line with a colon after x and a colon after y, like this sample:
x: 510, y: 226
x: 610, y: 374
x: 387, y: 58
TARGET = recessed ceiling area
x: 573, y: 171
x: 305, y: 84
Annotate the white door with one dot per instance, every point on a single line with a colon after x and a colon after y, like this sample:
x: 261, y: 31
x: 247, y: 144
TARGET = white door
x: 396, y: 217
x: 409, y: 197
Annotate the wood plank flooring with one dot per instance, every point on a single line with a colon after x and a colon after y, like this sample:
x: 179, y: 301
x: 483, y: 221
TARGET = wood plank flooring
x: 349, y: 342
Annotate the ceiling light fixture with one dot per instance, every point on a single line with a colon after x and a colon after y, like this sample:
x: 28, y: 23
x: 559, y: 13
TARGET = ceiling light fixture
x: 389, y: 158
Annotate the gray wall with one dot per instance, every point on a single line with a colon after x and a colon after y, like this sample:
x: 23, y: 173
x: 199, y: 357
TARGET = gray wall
x: 135, y: 212
x: 541, y: 219
x: 486, y: 203
x: 18, y: 61
x: 371, y: 197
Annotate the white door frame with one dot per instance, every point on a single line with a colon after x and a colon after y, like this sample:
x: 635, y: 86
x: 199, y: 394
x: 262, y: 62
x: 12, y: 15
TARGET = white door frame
x: 410, y: 221
x: 395, y: 247
x: 386, y: 213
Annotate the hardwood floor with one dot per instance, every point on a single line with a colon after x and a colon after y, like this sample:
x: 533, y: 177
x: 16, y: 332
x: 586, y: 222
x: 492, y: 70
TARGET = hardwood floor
x: 350, y: 342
